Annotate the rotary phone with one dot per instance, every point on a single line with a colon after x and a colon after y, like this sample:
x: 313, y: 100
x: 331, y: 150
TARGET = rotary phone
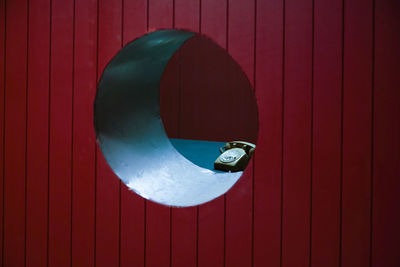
x: 234, y: 156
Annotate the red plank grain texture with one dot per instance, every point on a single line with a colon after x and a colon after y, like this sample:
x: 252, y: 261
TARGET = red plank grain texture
x: 135, y: 19
x: 214, y: 20
x: 184, y: 236
x: 211, y: 233
x: 161, y: 14
x: 239, y: 200
x: 2, y: 103
x: 108, y: 185
x: 83, y: 166
x: 158, y: 231
x: 187, y: 15
x: 268, y: 158
x: 211, y: 216
x: 297, y: 133
x: 60, y: 165
x: 37, y: 133
x: 357, y: 122
x: 327, y: 103
x: 15, y: 134
x: 133, y: 226
x: 132, y: 205
x: 158, y: 217
x: 386, y: 132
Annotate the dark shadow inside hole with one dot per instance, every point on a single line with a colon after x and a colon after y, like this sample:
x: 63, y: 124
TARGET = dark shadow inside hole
x: 206, y: 100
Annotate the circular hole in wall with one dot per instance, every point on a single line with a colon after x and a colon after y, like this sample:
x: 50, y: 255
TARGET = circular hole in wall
x: 165, y: 105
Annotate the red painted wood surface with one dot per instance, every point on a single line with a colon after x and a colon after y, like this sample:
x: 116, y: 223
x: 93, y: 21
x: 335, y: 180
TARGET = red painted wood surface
x: 385, y: 136
x: 326, y: 134
x: 108, y: 188
x: 2, y: 88
x: 297, y: 131
x: 357, y: 125
x: 323, y: 186
x: 60, y: 143
x: 268, y: 159
x: 84, y: 140
x: 15, y: 80
x: 38, y: 134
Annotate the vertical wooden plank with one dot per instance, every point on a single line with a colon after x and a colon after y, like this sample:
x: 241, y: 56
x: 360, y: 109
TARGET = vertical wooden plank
x: 108, y: 184
x: 37, y: 133
x: 158, y: 217
x: 211, y: 236
x: 2, y: 103
x: 184, y: 236
x: 135, y: 20
x: 239, y: 200
x: 268, y: 158
x: 15, y: 134
x: 157, y: 234
x: 241, y: 35
x: 357, y: 95
x: 132, y: 228
x: 386, y: 132
x: 83, y: 167
x: 187, y: 15
x: 61, y: 92
x: 160, y: 14
x: 132, y: 205
x: 211, y: 216
x: 214, y: 20
x: 297, y: 133
x: 327, y: 104
x: 184, y: 220
x: 238, y: 228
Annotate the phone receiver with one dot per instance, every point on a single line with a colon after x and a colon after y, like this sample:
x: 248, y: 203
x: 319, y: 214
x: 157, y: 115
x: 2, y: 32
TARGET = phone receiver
x: 234, y: 156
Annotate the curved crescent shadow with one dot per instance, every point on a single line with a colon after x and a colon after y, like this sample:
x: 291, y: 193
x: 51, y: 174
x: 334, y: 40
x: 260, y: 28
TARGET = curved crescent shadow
x: 131, y: 134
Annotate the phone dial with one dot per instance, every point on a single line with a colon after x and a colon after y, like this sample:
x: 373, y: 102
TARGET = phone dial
x: 234, y: 156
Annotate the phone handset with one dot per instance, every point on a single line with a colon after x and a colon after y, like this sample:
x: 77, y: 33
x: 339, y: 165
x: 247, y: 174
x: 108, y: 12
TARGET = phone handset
x: 234, y: 156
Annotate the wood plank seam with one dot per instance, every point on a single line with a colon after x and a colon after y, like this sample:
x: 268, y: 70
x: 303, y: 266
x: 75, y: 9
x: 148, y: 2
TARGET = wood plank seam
x: 283, y: 126
x: 372, y: 132
x: 4, y: 6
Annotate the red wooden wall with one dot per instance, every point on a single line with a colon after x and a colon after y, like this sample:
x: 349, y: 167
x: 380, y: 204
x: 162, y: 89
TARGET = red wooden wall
x: 323, y: 188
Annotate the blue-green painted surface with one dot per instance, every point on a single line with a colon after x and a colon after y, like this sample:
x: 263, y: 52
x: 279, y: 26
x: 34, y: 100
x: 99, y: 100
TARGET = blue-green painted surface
x: 201, y: 153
